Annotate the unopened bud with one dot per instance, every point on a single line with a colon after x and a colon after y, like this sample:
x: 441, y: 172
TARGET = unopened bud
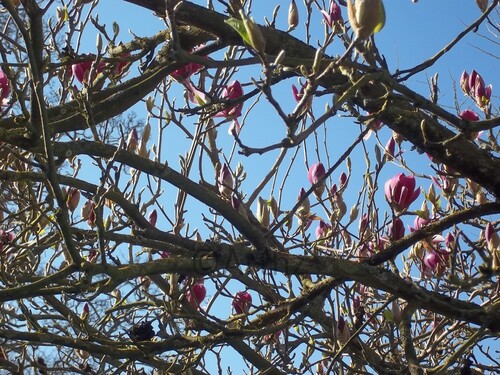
x: 293, y: 16
x: 353, y: 214
x: 366, y: 17
x: 481, y: 198
x: 482, y: 5
x: 72, y: 199
x: 262, y: 213
x: 132, y: 140
x: 255, y: 36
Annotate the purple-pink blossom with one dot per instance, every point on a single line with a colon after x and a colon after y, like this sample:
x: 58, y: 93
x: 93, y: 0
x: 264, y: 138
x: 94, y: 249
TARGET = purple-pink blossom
x: 6, y: 237
x: 233, y: 91
x: 153, y: 217
x: 242, y: 302
x: 396, y: 229
x: 400, y: 192
x: 469, y: 115
x: 4, y: 87
x: 82, y: 69
x: 334, y: 15
x: 225, y: 181
x: 322, y: 229
x: 316, y: 173
x: 196, y: 294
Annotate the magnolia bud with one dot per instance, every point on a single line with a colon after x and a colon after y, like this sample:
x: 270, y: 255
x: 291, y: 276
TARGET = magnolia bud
x: 464, y: 82
x: 72, y: 199
x: 146, y: 132
x: 305, y: 206
x: 353, y: 214
x: 366, y: 17
x: 195, y: 295
x: 255, y: 36
x: 293, y: 15
x: 242, y: 302
x: 132, y: 140
x: 225, y: 181
x: 153, y: 217
x: 85, y: 312
x: 482, y: 5
x: 262, y: 213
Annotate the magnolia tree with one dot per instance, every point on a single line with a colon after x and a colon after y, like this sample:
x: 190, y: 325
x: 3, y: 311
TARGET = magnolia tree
x: 148, y: 226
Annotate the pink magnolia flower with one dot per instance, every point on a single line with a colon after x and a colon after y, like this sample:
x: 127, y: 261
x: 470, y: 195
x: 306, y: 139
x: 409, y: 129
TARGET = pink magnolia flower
x: 132, y: 140
x: 297, y: 95
x: 85, y: 312
x: 363, y: 223
x: 333, y: 17
x: 315, y: 175
x: 6, y: 237
x: 396, y: 229
x: 322, y: 229
x: 419, y: 223
x: 343, y: 180
x: 183, y: 73
x: 343, y: 332
x: 333, y: 190
x: 233, y: 91
x: 72, y: 199
x: 473, y: 77
x: 118, y: 67
x: 238, y: 206
x: 464, y: 82
x: 400, y: 192
x: 187, y: 70
x: 482, y: 93
x: 449, y: 240
x: 435, y: 261
x: 469, y: 115
x: 305, y: 207
x: 225, y: 181
x: 196, y: 294
x: 390, y: 148
x: 82, y: 69
x: 447, y: 184
x: 88, y: 213
x: 242, y: 302
x: 153, y: 217
x: 4, y: 87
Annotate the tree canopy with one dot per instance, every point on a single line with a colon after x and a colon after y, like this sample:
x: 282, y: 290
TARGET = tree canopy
x: 186, y: 202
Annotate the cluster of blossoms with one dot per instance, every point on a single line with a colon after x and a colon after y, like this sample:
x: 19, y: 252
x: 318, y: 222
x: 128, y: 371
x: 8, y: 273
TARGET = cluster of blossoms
x: 197, y: 292
x: 232, y: 92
